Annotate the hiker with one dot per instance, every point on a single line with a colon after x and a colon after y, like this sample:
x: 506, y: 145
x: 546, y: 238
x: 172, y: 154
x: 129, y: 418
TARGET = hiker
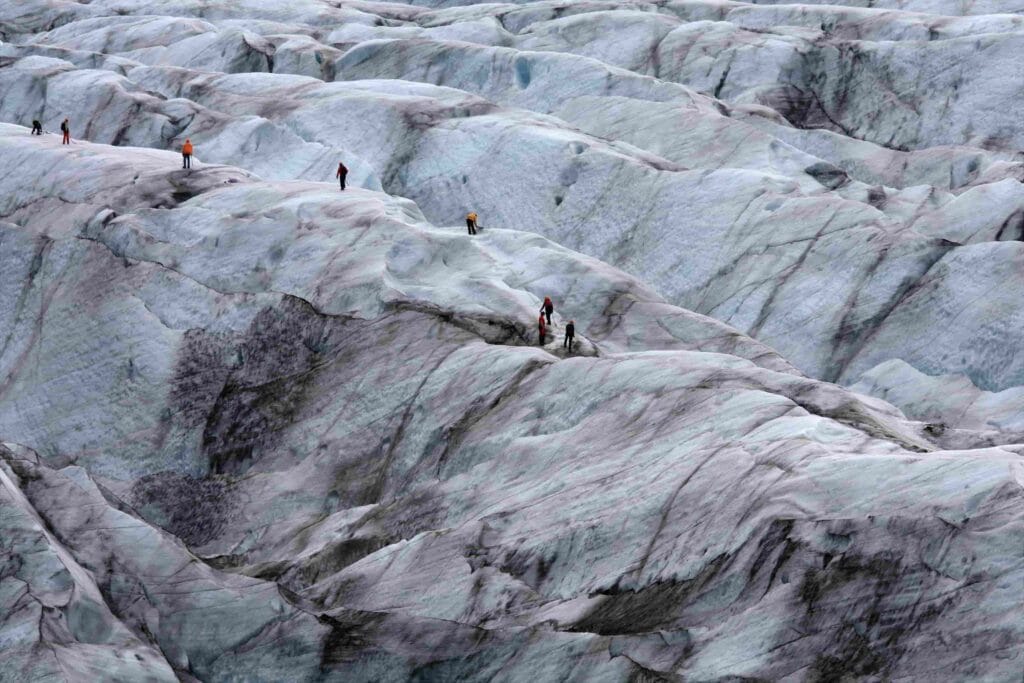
x: 471, y: 222
x: 570, y: 334
x: 341, y: 174
x: 543, y: 329
x: 186, y: 154
x: 65, y: 128
x: 37, y: 128
x: 548, y: 308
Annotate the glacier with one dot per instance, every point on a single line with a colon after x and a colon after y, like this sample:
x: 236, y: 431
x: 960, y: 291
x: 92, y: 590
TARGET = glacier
x: 253, y: 428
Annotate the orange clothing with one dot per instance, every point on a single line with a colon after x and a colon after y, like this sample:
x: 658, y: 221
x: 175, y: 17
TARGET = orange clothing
x: 186, y: 148
x: 472, y: 217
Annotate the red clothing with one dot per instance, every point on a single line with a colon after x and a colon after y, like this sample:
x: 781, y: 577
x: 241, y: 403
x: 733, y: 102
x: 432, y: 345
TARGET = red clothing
x: 341, y: 171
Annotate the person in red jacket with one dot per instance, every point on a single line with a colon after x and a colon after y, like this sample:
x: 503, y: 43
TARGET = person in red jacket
x: 548, y: 308
x: 186, y: 154
x: 341, y: 174
x: 543, y: 329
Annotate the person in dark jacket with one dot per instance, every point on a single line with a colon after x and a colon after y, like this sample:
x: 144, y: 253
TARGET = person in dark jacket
x: 570, y: 334
x: 37, y: 128
x: 547, y: 308
x: 65, y: 128
x: 341, y: 174
x: 542, y: 329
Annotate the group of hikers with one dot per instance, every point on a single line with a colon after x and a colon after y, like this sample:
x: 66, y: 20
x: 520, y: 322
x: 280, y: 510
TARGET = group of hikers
x: 546, y: 309
x: 342, y: 173
x: 65, y: 130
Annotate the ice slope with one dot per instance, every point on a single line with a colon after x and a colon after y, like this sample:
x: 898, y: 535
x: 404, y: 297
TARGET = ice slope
x: 737, y: 217
x: 268, y: 430
x: 325, y: 391
x: 951, y: 399
x: 203, y: 624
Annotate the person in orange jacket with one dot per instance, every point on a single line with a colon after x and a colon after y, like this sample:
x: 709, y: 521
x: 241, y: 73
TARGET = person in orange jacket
x: 341, y: 174
x: 543, y: 329
x: 471, y: 222
x: 65, y: 128
x: 186, y: 154
x: 548, y: 308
